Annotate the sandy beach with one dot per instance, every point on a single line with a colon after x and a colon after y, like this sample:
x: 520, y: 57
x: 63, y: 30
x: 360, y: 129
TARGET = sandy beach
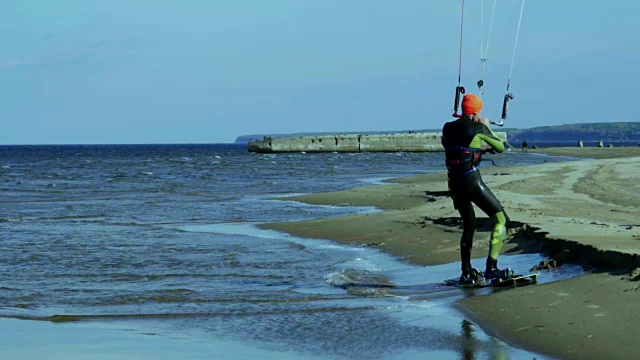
x: 576, y: 212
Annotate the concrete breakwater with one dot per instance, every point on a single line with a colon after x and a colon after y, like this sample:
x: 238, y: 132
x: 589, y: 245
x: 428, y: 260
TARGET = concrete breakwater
x: 395, y: 142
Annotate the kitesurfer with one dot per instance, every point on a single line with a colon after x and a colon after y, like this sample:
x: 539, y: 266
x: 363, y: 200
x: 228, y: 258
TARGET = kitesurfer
x: 462, y: 140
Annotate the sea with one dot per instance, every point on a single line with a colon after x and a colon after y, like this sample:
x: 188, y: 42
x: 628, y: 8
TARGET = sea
x: 162, y: 241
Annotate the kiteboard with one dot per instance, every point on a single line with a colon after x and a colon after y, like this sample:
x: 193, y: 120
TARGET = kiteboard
x: 514, y: 281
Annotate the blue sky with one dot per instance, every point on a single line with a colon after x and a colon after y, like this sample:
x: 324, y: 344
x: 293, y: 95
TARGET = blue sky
x: 158, y: 71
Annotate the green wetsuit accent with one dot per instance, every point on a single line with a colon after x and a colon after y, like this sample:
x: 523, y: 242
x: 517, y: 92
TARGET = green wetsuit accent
x: 491, y: 139
x: 498, y: 235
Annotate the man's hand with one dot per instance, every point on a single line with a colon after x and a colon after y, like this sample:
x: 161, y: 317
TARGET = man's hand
x: 479, y: 119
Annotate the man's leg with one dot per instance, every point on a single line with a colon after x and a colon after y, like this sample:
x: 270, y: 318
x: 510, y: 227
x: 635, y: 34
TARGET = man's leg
x: 498, y: 236
x: 465, y: 208
x: 487, y: 201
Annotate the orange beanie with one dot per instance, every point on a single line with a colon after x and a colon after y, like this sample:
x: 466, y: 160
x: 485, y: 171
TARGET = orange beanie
x: 471, y: 104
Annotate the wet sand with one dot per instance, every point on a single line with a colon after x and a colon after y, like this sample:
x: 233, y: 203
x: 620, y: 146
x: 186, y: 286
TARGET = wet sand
x: 585, y: 212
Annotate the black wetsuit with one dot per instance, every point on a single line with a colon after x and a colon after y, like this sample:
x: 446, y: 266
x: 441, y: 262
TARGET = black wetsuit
x: 462, y: 140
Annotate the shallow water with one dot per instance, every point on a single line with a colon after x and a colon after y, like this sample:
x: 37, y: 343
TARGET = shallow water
x: 161, y: 239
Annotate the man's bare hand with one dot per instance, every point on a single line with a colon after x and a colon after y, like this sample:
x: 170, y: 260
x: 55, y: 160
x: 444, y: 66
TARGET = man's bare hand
x: 479, y: 119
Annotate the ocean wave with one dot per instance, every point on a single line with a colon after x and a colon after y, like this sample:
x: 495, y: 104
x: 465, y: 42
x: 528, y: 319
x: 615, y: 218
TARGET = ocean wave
x: 96, y: 217
x: 360, y: 282
x: 63, y: 318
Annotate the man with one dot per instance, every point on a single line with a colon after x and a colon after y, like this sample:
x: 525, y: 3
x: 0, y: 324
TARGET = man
x: 525, y: 146
x: 462, y: 140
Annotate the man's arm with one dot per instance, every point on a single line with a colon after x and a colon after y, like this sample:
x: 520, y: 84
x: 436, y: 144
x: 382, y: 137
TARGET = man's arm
x: 487, y: 135
x: 484, y: 133
x: 492, y: 139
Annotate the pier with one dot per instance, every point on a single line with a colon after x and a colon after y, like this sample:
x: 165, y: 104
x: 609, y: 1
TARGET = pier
x: 394, y: 142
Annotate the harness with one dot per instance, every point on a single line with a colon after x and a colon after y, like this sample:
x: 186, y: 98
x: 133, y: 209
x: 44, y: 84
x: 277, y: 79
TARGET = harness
x: 462, y: 161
